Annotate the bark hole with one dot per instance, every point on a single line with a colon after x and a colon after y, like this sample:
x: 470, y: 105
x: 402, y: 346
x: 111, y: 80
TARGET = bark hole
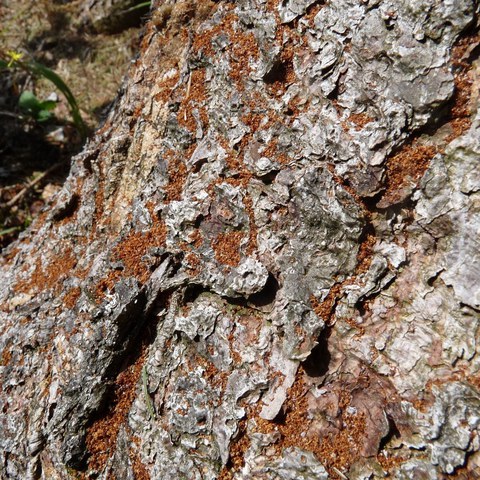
x: 198, y: 221
x: 370, y: 203
x: 68, y: 209
x: 281, y: 416
x: 338, y: 90
x: 192, y: 292
x: 268, y: 178
x: 266, y: 296
x: 317, y: 363
x: 393, y: 432
x: 278, y: 72
x: 198, y: 166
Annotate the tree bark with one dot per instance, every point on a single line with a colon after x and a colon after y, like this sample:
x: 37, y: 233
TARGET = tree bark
x: 265, y: 263
x: 112, y: 16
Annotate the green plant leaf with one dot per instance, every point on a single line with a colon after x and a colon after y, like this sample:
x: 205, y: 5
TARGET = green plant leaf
x: 43, y: 116
x: 31, y: 105
x: 39, y: 69
x: 48, y: 104
x: 28, y: 101
x: 50, y: 75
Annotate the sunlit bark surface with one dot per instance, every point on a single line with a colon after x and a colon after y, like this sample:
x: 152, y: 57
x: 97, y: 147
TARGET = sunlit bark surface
x: 265, y: 264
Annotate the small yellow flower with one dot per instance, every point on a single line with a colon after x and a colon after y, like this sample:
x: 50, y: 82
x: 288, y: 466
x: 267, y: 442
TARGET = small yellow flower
x: 14, y: 57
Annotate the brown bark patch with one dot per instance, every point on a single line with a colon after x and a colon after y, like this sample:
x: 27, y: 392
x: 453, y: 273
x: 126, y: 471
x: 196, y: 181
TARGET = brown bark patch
x: 272, y: 6
x: 468, y: 472
x: 193, y: 262
x: 196, y: 238
x: 6, y: 356
x: 99, y: 200
x: 8, y: 257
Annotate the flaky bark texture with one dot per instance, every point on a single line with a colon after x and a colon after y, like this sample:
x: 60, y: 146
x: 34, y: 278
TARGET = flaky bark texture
x: 265, y: 265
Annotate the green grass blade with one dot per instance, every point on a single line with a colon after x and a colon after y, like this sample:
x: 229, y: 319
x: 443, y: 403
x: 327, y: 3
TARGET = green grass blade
x: 7, y: 231
x: 138, y: 7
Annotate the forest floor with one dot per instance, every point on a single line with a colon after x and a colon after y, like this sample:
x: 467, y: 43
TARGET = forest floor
x: 35, y: 156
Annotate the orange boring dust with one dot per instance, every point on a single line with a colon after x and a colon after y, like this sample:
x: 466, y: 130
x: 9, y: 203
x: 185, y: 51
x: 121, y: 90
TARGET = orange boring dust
x: 49, y: 276
x: 71, y: 297
x: 177, y: 175
x: 135, y: 246
x: 227, y: 248
x: 252, y: 233
x: 411, y: 162
x: 326, y: 308
x: 139, y: 470
x: 408, y: 165
x: 359, y: 120
x: 102, y: 434
x: 130, y: 251
x: 336, y: 452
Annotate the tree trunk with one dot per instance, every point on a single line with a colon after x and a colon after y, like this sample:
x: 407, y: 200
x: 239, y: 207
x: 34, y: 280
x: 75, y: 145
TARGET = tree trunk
x: 112, y: 16
x: 265, y: 264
